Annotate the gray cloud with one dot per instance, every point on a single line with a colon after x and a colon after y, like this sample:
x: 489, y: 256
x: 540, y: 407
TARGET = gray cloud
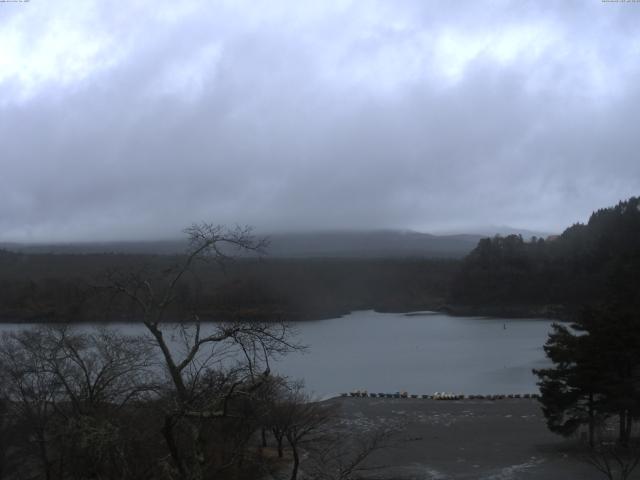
x: 134, y: 122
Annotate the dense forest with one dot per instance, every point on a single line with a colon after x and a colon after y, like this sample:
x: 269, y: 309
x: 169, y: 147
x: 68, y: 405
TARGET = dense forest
x: 71, y: 287
x: 503, y: 276
x: 587, y: 263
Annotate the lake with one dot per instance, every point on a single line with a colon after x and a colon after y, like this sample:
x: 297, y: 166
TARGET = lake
x: 422, y: 353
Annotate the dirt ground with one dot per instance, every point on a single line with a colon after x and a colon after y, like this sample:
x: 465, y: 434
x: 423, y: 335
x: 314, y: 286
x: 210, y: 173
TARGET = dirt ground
x: 466, y: 439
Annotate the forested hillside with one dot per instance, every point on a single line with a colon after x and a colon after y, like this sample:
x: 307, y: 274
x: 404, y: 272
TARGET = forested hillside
x: 589, y: 263
x: 71, y: 287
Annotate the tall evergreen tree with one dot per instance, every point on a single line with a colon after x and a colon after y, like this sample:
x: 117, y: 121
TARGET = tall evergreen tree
x: 596, y: 372
x: 570, y: 393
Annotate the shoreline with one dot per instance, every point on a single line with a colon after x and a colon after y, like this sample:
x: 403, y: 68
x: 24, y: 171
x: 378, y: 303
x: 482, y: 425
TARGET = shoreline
x: 547, y: 312
x: 465, y: 439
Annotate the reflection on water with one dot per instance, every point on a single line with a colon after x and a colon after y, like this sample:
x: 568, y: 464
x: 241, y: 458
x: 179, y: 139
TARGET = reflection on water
x: 419, y: 353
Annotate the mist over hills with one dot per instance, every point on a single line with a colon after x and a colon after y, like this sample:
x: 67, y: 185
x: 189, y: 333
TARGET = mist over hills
x: 382, y: 243
x: 338, y: 243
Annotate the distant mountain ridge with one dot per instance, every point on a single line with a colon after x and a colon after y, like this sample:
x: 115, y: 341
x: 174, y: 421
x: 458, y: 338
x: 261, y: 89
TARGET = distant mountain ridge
x: 381, y: 243
x: 338, y: 243
x: 501, y: 230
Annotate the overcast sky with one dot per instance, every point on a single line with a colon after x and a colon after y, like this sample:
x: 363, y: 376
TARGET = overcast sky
x: 133, y: 119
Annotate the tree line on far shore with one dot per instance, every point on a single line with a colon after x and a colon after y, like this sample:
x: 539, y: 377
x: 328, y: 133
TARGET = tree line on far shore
x: 502, y: 276
x: 65, y: 287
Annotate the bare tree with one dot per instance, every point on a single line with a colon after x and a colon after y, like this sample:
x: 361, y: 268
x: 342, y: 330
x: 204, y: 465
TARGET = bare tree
x: 31, y: 391
x: 614, y: 460
x: 277, y: 418
x: 340, y: 456
x: 294, y: 416
x: 247, y: 345
x: 64, y: 389
x: 316, y: 428
x: 97, y: 370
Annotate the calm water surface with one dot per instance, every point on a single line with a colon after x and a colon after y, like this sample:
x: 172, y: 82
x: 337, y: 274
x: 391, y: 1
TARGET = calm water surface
x: 419, y: 353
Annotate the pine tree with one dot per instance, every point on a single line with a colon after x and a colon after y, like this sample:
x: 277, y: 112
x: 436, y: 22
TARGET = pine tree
x: 596, y: 372
x: 570, y: 393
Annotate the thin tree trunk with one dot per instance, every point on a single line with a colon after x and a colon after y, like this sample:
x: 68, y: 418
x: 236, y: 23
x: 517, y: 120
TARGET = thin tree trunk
x: 199, y: 453
x: 296, y: 461
x: 592, y: 421
x: 280, y: 449
x: 263, y: 431
x: 167, y: 432
x: 176, y: 375
x: 279, y: 439
x: 44, y: 456
x: 623, y: 437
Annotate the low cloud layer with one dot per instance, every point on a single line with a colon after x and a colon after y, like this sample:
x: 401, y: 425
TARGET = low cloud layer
x: 133, y: 121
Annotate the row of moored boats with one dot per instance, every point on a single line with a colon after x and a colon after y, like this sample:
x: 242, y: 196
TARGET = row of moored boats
x: 438, y: 395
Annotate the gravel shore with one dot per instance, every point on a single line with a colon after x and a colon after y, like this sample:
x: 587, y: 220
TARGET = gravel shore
x: 466, y: 439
